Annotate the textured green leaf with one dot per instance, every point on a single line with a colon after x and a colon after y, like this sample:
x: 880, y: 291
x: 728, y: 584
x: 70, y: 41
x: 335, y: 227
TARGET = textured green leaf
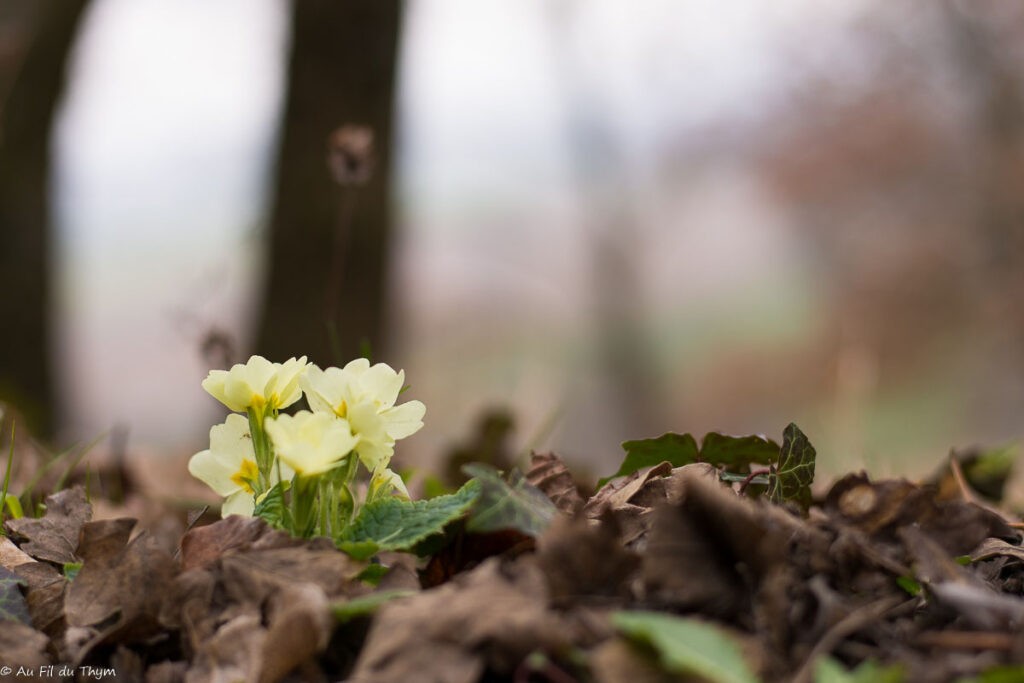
x: 272, y: 508
x: 678, y: 449
x: 511, y: 503
x: 793, y: 474
x: 687, y: 646
x: 366, y: 604
x: 828, y: 670
x: 395, y: 524
x: 12, y: 603
x: 737, y: 452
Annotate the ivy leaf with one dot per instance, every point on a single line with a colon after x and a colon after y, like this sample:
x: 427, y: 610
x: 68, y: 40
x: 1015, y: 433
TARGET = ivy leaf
x: 793, y: 474
x: 677, y: 449
x: 687, y: 646
x: 737, y: 452
x: 508, y: 504
x: 828, y: 670
x: 272, y: 508
x: 12, y: 603
x: 394, y: 524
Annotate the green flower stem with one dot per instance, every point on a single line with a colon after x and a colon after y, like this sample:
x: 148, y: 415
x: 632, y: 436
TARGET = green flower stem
x: 304, y: 518
x: 324, y: 502
x: 261, y: 447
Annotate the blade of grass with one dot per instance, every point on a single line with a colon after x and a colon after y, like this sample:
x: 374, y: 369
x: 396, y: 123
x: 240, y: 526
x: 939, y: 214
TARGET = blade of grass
x: 76, y: 460
x: 13, y: 504
x: 34, y: 481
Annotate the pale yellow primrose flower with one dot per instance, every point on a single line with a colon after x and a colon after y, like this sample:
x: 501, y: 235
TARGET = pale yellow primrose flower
x: 311, y: 443
x: 365, y: 395
x: 229, y: 466
x: 384, y: 477
x: 257, y: 384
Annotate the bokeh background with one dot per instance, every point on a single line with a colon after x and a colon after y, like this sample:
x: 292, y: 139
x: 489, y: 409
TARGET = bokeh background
x: 590, y: 220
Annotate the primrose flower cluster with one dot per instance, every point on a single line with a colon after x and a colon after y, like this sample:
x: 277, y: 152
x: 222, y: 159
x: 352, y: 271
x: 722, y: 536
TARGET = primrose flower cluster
x: 314, y: 454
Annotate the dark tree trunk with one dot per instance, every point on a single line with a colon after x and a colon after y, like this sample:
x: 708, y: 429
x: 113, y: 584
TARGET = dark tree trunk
x: 326, y: 287
x: 33, y: 83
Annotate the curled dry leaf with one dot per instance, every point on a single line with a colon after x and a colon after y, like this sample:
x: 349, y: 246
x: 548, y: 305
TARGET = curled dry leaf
x: 880, y: 508
x: 549, y: 474
x: 54, y: 536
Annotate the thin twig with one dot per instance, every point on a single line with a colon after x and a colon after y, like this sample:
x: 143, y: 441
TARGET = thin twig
x: 958, y: 475
x: 848, y: 625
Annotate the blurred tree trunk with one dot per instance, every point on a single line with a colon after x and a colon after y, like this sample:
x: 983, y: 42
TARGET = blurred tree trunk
x: 32, y: 80
x: 329, y: 240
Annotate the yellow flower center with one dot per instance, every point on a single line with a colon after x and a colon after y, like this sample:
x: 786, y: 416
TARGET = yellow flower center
x: 341, y: 410
x: 245, y: 475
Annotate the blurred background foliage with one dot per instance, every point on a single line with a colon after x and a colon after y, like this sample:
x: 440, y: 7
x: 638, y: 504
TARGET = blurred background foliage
x: 595, y: 220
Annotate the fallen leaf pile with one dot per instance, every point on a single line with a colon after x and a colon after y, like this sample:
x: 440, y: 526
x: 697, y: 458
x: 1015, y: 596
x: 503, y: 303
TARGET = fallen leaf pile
x: 666, y: 573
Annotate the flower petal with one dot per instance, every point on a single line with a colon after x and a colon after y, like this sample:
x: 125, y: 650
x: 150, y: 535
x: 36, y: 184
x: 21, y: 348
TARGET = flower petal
x: 241, y: 503
x: 404, y: 420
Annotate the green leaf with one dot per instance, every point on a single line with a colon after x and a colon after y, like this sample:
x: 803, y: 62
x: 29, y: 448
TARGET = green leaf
x: 365, y: 605
x: 71, y: 570
x: 272, y: 509
x: 508, y: 504
x: 909, y: 584
x: 793, y: 474
x: 828, y: 670
x: 1013, y: 673
x: 678, y: 449
x: 395, y: 524
x: 737, y: 452
x: 12, y: 603
x: 991, y: 469
x: 374, y: 572
x: 687, y: 646
x: 15, y: 509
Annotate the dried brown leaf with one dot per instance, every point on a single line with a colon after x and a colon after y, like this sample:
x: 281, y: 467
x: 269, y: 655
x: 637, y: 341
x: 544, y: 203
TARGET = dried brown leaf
x: 45, y: 595
x: 620, y: 492
x: 493, y: 615
x: 549, y: 474
x: 254, y: 574
x: 710, y: 551
x: 11, y: 555
x: 234, y: 653
x: 54, y: 536
x: 203, y: 545
x: 583, y: 560
x: 300, y: 626
x: 118, y: 593
x: 996, y: 547
x: 23, y: 646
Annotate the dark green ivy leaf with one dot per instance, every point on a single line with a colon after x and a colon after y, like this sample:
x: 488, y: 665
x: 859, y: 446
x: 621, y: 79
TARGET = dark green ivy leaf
x: 793, y: 474
x: 677, y: 449
x: 508, y: 503
x: 737, y: 452
x: 394, y: 524
x: 12, y: 603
